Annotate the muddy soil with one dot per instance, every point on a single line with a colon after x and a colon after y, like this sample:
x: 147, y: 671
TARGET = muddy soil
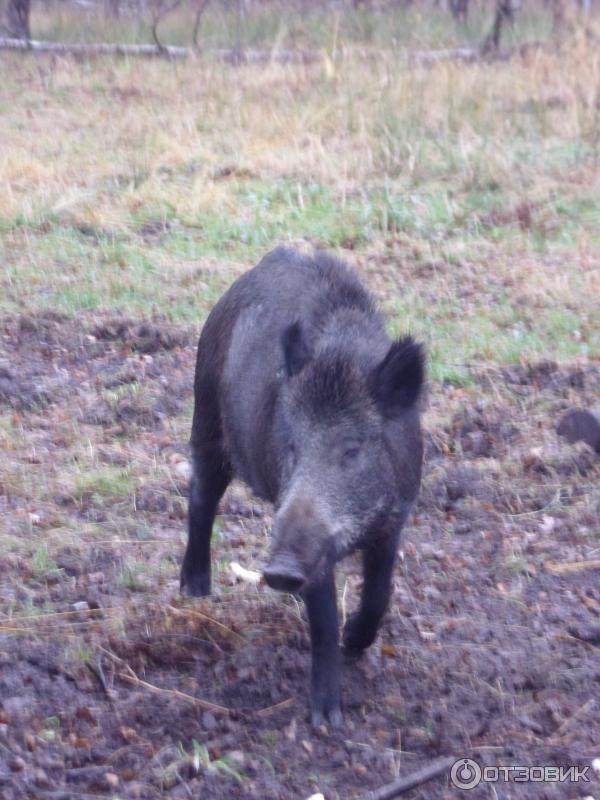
x: 116, y: 687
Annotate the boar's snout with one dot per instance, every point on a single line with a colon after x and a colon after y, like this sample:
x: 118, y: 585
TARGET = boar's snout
x: 300, y: 539
x: 285, y: 574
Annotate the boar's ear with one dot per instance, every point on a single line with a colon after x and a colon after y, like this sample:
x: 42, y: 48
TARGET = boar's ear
x: 397, y: 381
x: 296, y: 352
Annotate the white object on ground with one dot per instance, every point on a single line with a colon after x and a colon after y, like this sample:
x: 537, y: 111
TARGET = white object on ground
x: 248, y: 575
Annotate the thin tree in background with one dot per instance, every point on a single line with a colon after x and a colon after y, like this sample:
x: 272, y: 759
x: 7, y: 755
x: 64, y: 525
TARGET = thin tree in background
x: 17, y: 19
x: 505, y: 12
x: 459, y: 10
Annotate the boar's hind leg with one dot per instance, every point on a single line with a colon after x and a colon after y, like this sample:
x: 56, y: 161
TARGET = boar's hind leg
x: 321, y: 607
x: 378, y: 565
x: 210, y: 478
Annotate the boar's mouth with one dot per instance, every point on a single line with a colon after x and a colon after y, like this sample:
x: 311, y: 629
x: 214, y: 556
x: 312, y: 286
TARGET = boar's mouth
x: 285, y: 572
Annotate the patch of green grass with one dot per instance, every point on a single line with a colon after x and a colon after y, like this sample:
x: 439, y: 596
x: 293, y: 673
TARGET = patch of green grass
x: 42, y: 564
x: 77, y: 271
x: 50, y: 730
x: 79, y: 652
x: 103, y: 484
x: 133, y: 576
x: 459, y: 338
x: 199, y: 759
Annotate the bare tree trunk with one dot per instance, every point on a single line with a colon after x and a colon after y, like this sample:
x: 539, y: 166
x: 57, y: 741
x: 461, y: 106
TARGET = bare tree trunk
x: 17, y: 19
x: 504, y: 13
x: 199, y: 12
x: 558, y: 16
x: 460, y: 10
x: 241, y: 18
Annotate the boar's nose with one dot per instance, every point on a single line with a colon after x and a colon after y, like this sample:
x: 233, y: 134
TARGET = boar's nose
x: 285, y: 574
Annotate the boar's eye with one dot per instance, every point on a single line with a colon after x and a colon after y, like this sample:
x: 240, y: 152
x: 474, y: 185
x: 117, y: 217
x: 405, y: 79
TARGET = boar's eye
x: 350, y: 454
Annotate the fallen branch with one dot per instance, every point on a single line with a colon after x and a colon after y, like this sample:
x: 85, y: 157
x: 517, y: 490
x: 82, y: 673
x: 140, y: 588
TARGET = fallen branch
x: 454, y: 54
x: 234, y: 56
x: 572, y: 566
x: 95, y: 48
x: 153, y: 50
x: 402, y: 785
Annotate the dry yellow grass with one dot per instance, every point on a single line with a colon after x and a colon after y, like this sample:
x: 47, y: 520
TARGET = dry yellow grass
x: 100, y: 139
x: 137, y: 184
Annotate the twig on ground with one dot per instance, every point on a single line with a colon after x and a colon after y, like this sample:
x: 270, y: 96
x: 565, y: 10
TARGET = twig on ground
x: 194, y: 613
x: 572, y: 566
x: 568, y: 722
x: 402, y: 785
x: 567, y: 637
x: 98, y: 672
x: 264, y: 712
x: 130, y: 677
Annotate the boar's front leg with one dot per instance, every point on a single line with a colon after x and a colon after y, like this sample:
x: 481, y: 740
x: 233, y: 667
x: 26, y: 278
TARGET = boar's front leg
x: 321, y: 606
x: 210, y: 478
x: 378, y: 565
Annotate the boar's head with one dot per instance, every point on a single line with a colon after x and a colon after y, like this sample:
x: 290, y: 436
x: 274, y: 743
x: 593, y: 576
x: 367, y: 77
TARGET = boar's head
x: 347, y: 439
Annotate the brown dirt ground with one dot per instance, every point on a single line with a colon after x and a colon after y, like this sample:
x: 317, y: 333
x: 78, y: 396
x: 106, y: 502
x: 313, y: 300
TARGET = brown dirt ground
x: 490, y: 648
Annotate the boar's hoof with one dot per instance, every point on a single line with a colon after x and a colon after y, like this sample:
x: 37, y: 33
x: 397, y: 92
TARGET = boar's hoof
x: 194, y: 584
x: 356, y: 637
x: 333, y: 717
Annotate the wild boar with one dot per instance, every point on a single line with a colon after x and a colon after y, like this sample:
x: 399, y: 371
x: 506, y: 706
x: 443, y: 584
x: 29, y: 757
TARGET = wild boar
x: 301, y: 394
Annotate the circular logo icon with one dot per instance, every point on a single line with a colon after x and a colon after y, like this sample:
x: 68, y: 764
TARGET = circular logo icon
x: 465, y: 773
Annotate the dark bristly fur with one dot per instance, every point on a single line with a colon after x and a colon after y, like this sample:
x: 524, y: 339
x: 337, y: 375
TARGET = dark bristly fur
x: 301, y: 394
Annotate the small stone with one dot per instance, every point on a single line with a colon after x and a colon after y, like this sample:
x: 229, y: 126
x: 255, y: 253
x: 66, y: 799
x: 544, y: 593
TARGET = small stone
x: 16, y: 764
x: 128, y: 734
x: 111, y: 779
x: 81, y: 605
x: 183, y: 469
x: 209, y: 722
x: 291, y: 730
x: 20, y: 707
x: 237, y: 757
x: 41, y: 779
